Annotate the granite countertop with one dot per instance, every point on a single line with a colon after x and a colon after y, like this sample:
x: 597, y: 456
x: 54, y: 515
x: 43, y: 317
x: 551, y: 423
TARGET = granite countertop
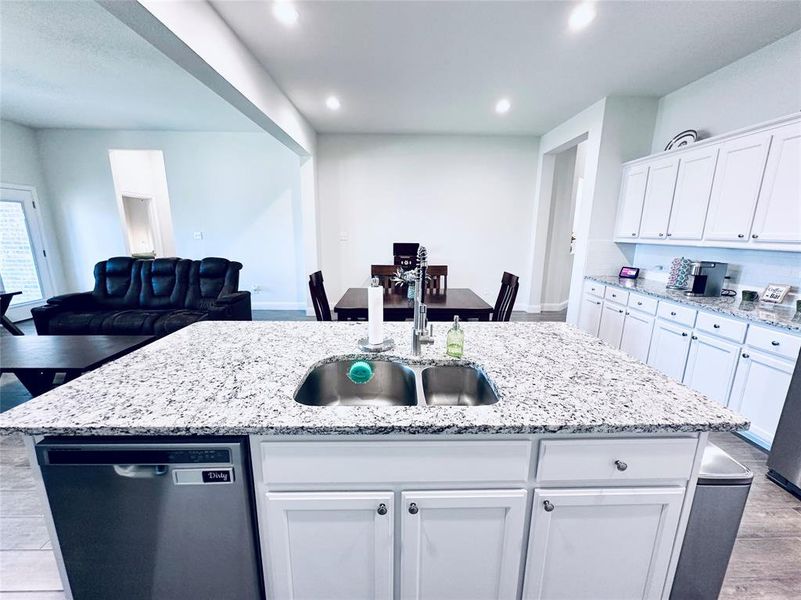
x: 240, y: 377
x: 776, y: 316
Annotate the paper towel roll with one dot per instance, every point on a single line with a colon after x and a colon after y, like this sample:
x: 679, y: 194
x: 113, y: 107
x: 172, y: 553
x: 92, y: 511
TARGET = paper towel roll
x: 375, y: 314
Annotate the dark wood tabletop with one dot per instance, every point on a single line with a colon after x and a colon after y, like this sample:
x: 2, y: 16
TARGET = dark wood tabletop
x: 36, y: 359
x: 442, y: 306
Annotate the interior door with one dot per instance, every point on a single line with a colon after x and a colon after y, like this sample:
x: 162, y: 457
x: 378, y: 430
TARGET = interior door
x: 601, y: 544
x: 710, y: 366
x: 691, y: 200
x: 659, y: 198
x: 332, y: 545
x: 738, y: 177
x: 23, y: 256
x: 778, y: 213
x: 461, y: 544
x: 632, y: 192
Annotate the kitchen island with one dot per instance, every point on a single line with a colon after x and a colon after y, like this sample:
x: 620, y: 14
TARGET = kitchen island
x: 576, y: 483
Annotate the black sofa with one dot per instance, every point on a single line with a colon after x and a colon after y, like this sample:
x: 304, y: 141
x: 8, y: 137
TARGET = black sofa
x: 148, y: 297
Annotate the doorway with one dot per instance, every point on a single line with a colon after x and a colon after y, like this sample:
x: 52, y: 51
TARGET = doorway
x: 140, y: 225
x: 566, y: 196
x: 23, y: 257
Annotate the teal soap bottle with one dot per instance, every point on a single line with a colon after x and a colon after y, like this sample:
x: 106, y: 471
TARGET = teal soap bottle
x: 454, y: 342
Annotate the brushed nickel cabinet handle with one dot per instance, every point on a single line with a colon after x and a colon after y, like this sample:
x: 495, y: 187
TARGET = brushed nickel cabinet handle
x: 382, y: 509
x: 620, y: 465
x: 413, y: 510
x: 746, y: 355
x: 548, y: 506
x: 740, y: 235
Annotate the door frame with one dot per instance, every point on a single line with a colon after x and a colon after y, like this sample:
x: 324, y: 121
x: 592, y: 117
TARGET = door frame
x: 31, y: 206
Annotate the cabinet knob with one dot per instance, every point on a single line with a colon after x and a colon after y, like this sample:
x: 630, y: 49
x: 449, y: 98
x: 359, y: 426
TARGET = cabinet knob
x: 620, y: 465
x: 746, y: 355
x: 683, y: 334
x: 673, y: 313
x: 661, y: 235
x: 633, y: 235
x: 774, y: 343
x: 716, y: 326
x: 755, y: 236
x: 695, y: 337
x: 382, y: 509
x: 628, y: 313
x: 620, y: 311
x: 548, y: 506
x: 669, y: 234
x: 413, y: 510
x: 598, y: 303
x: 740, y: 235
x: 639, y: 303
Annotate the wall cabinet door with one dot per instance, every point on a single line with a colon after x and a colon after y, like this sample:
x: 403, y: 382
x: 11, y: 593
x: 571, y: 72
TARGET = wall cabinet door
x: 461, y: 544
x: 759, y: 390
x: 738, y: 177
x: 587, y: 544
x: 611, y: 328
x: 710, y: 366
x: 632, y: 193
x: 636, y: 338
x: 331, y: 545
x: 778, y: 213
x: 670, y: 345
x: 691, y: 200
x: 658, y: 199
x: 590, y: 316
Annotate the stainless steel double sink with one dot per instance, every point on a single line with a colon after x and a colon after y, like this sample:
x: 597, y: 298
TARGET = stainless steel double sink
x: 396, y: 384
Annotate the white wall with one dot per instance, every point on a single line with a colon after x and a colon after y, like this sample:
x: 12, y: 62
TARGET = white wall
x: 241, y: 190
x: 21, y: 164
x: 469, y: 199
x: 761, y: 86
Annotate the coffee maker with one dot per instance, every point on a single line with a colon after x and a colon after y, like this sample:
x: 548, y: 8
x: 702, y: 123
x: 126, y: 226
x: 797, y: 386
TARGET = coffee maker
x: 706, y: 278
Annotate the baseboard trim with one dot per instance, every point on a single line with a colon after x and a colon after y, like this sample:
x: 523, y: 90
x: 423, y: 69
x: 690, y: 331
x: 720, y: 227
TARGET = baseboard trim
x: 554, y: 306
x: 266, y: 305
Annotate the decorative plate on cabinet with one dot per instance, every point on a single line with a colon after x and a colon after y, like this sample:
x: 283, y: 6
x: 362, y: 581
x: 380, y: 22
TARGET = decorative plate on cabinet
x: 685, y: 138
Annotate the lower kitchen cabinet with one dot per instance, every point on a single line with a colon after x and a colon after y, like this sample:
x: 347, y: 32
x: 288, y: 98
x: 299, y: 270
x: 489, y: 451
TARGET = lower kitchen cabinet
x: 710, y: 366
x: 594, y: 544
x: 590, y: 315
x: 759, y: 390
x: 670, y: 346
x: 333, y: 545
x: 461, y: 544
x: 636, y: 337
x: 611, y: 328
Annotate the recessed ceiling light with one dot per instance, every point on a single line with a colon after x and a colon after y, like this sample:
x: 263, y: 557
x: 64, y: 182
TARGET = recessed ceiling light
x: 502, y: 106
x: 582, y: 15
x: 332, y: 102
x: 285, y: 12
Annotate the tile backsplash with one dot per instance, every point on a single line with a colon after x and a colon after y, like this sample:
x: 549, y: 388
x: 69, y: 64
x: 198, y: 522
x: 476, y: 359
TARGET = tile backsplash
x: 748, y: 269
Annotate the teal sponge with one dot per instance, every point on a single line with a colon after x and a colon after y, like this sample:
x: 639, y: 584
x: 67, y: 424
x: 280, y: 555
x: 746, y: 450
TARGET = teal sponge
x: 360, y: 372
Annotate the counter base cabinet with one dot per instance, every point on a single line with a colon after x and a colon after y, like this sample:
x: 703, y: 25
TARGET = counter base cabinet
x: 670, y: 346
x: 461, y: 544
x: 598, y: 544
x: 759, y: 390
x: 710, y: 367
x: 331, y: 545
x: 590, y: 317
x: 611, y: 328
x: 636, y: 338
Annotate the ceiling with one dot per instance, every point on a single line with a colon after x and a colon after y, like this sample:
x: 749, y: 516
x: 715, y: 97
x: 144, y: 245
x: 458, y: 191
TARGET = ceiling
x: 434, y: 66
x: 72, y: 64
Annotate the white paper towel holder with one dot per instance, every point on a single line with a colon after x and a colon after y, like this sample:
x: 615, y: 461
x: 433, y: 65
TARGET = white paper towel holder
x: 366, y: 346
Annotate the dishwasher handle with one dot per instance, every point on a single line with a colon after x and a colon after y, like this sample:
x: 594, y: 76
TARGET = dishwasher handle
x: 140, y: 471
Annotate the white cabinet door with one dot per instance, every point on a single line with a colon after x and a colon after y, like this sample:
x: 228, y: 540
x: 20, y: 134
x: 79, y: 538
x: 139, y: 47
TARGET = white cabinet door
x: 632, y: 192
x: 738, y: 177
x: 778, y: 213
x: 670, y: 345
x: 331, y: 545
x: 461, y: 544
x: 590, y: 316
x: 611, y: 328
x: 759, y: 390
x: 597, y: 544
x: 636, y: 338
x: 658, y: 199
x: 691, y: 200
x: 710, y: 366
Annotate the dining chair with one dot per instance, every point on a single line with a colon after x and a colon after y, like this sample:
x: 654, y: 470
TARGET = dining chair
x: 319, y: 300
x: 506, y: 297
x: 437, y: 278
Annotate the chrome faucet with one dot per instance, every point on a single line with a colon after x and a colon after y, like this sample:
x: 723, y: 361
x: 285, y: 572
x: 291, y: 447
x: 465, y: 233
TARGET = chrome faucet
x: 422, y: 332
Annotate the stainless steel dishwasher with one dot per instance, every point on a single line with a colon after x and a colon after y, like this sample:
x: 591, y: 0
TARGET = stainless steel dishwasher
x: 144, y: 518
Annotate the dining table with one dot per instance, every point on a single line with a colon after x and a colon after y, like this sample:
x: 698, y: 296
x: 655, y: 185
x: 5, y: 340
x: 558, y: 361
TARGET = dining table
x: 442, y: 305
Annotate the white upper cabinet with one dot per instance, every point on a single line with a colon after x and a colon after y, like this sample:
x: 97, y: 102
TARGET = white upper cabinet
x: 738, y: 178
x: 658, y: 198
x: 778, y: 213
x: 632, y: 193
x: 461, y: 544
x: 691, y: 199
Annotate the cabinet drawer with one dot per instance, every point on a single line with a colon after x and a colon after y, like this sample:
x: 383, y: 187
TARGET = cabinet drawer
x: 594, y: 288
x: 614, y: 294
x: 394, y: 462
x: 773, y: 341
x: 677, y: 314
x: 643, y: 303
x: 721, y: 326
x: 615, y: 460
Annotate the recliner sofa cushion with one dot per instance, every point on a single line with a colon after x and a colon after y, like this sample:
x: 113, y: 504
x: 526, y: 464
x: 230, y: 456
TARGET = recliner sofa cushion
x: 164, y: 283
x: 209, y: 279
x: 117, y: 282
x: 78, y: 323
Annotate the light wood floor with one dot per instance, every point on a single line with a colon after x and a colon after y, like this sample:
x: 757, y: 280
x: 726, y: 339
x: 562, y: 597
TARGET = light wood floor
x: 766, y: 563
